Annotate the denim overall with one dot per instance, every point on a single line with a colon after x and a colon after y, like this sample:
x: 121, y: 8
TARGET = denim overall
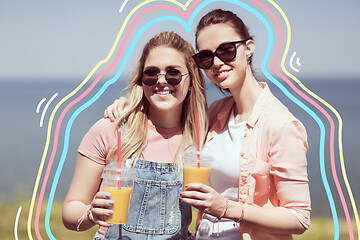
x: 155, y: 210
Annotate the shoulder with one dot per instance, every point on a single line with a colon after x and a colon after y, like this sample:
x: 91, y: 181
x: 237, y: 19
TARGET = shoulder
x: 103, y: 128
x: 219, y: 106
x: 98, y: 141
x: 278, y: 118
x: 104, y: 124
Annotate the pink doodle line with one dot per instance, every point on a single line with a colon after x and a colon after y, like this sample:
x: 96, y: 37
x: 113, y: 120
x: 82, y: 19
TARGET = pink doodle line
x: 186, y: 16
x: 56, y: 136
x: 332, y: 126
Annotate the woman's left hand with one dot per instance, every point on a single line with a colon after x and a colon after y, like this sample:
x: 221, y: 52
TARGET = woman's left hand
x: 204, y: 198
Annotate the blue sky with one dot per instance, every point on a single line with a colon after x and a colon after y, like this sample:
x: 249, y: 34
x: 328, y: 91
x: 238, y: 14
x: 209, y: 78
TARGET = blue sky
x: 63, y: 40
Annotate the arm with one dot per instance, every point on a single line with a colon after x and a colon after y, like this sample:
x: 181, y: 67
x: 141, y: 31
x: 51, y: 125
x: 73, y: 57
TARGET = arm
x: 288, y: 153
x: 114, y: 110
x: 206, y: 199
x: 288, y: 147
x: 83, y: 189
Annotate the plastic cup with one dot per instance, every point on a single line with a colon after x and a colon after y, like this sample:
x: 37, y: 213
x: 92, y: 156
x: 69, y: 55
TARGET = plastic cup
x: 192, y: 173
x: 119, y: 183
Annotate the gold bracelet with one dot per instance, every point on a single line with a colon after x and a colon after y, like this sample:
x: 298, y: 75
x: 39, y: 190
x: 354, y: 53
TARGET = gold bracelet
x: 242, y: 213
x: 225, y: 208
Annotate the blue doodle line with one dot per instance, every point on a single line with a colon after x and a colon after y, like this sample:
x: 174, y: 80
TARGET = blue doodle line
x: 187, y: 27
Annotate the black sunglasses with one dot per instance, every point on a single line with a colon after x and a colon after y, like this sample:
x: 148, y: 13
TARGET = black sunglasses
x: 226, y: 52
x: 172, y: 76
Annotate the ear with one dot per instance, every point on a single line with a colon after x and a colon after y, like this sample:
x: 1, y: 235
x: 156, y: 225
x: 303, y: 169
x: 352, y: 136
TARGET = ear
x: 250, y: 48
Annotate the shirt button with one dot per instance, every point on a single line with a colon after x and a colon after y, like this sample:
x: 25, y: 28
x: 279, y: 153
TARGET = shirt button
x: 245, y: 135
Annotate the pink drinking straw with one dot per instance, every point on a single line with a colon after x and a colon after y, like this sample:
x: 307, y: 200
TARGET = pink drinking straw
x: 119, y: 157
x: 197, y: 140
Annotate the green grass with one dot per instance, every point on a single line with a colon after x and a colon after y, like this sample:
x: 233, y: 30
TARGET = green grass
x: 321, y: 228
x: 7, y: 223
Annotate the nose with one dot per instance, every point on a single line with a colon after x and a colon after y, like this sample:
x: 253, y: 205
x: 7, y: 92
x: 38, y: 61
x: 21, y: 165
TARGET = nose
x: 217, y: 61
x: 161, y: 78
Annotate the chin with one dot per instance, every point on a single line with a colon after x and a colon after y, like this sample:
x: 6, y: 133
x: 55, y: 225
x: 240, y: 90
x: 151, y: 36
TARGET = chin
x: 223, y: 86
x: 164, y: 107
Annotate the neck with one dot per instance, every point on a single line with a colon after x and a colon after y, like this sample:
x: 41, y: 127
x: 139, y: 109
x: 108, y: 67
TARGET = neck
x: 165, y: 118
x: 245, y: 97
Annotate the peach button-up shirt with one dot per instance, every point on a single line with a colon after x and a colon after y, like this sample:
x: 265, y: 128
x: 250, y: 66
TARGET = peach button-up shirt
x: 273, y: 166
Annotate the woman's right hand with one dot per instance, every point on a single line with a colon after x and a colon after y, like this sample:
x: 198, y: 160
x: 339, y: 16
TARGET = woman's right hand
x: 114, y: 110
x: 101, y: 208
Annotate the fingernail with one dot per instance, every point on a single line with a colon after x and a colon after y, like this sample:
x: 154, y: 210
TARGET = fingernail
x: 107, y: 194
x: 111, y: 202
x: 110, y: 212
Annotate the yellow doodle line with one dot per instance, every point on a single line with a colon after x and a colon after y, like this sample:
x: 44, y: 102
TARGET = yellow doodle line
x: 184, y: 7
x: 327, y: 105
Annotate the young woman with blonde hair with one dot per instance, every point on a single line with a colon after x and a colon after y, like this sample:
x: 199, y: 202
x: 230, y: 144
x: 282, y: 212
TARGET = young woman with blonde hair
x: 166, y: 92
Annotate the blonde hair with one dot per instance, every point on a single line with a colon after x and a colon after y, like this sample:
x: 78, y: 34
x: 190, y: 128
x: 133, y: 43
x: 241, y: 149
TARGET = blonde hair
x: 135, y: 115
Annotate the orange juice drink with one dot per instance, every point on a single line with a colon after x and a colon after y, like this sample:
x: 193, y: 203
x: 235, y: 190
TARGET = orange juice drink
x: 196, y: 175
x: 121, y: 205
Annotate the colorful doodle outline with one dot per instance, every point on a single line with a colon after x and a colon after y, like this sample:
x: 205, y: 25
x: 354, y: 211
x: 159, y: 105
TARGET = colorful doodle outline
x: 329, y: 106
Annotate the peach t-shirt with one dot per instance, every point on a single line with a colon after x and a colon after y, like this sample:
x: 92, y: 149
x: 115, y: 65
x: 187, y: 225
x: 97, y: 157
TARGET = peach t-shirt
x: 161, y: 146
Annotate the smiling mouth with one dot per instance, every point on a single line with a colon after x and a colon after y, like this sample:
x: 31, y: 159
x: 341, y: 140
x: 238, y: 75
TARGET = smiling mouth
x: 164, y: 92
x: 222, y: 73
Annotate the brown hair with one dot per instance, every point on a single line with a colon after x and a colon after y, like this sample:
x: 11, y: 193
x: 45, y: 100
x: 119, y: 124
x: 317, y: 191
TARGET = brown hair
x: 218, y: 16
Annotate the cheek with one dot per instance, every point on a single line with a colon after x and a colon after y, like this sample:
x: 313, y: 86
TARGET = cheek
x: 241, y: 57
x: 147, y: 91
x: 184, y: 89
x: 208, y: 73
x: 188, y: 84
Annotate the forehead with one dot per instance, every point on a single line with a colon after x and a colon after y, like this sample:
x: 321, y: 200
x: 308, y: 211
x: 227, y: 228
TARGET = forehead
x: 212, y: 36
x: 163, y: 57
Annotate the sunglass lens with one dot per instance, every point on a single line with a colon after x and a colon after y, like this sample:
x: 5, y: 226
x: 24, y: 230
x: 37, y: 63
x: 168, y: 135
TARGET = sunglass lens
x: 173, y: 76
x: 226, y: 52
x: 204, y: 59
x: 149, y: 77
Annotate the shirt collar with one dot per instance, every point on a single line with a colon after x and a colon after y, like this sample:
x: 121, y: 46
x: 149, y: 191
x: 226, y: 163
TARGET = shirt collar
x: 259, y: 106
x: 224, y: 115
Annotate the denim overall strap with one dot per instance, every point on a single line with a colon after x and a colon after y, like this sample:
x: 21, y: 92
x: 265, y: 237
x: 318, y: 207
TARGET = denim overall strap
x: 155, y: 210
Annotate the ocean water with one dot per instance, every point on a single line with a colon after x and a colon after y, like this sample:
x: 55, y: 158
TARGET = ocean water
x: 23, y: 141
